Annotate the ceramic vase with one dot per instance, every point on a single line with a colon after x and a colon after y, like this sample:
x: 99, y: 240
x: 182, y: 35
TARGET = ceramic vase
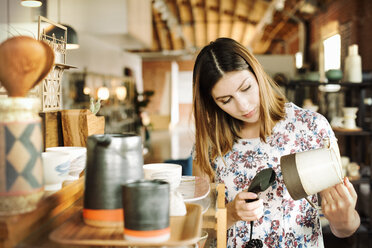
x: 21, y: 171
x: 112, y: 160
x: 353, y: 65
x: 350, y: 117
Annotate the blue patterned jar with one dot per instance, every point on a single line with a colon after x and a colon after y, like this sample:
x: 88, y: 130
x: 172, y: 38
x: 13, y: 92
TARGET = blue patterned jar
x: 21, y: 169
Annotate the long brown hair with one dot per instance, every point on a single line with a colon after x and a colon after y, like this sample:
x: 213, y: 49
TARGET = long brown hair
x: 215, y: 130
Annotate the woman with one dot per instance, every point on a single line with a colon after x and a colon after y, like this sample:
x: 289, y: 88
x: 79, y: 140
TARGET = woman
x: 244, y: 125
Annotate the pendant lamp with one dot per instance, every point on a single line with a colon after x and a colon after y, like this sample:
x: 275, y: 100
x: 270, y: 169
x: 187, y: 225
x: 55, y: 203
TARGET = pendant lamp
x: 72, y: 37
x: 31, y: 3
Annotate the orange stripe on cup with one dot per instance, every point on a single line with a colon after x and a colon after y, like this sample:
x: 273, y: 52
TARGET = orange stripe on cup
x: 103, y: 214
x: 146, y: 234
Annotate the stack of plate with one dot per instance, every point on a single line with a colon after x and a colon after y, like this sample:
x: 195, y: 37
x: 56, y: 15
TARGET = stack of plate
x: 195, y: 190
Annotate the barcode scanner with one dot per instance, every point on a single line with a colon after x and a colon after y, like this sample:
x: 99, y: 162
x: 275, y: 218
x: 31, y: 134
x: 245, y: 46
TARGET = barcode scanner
x: 260, y: 183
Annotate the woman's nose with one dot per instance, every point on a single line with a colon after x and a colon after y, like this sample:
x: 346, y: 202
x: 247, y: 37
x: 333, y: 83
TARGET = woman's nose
x: 242, y: 103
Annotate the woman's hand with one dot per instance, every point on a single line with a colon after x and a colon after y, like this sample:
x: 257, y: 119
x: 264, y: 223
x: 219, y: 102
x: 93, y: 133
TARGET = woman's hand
x: 238, y: 209
x: 338, y: 205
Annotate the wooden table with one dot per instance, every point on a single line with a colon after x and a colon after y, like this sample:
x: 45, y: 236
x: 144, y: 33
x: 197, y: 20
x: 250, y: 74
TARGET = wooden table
x: 33, y: 229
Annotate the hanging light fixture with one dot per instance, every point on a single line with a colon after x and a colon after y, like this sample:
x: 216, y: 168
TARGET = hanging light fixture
x: 31, y: 3
x: 86, y: 90
x: 121, y: 92
x: 103, y: 93
x: 72, y: 37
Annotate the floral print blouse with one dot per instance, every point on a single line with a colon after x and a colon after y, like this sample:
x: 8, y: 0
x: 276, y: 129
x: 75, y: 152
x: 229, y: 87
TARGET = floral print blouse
x: 286, y: 222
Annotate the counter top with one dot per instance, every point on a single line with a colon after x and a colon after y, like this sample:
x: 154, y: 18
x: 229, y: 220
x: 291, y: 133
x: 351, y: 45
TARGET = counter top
x: 16, y: 229
x: 34, y: 228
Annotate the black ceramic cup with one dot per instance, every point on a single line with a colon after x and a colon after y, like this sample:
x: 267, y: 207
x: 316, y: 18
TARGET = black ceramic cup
x: 146, y: 210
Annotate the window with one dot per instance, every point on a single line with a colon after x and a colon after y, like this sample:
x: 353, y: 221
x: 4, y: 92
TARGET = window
x: 299, y: 59
x: 332, y: 52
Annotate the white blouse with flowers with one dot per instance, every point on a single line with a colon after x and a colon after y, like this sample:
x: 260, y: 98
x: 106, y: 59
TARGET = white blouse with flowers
x: 286, y: 222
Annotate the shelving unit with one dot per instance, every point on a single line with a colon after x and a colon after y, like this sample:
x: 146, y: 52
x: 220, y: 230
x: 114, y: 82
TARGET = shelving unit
x: 354, y: 144
x: 120, y: 115
x: 354, y: 95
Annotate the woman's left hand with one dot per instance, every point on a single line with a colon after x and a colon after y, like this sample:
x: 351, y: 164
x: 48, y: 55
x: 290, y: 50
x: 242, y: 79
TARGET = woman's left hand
x: 338, y: 205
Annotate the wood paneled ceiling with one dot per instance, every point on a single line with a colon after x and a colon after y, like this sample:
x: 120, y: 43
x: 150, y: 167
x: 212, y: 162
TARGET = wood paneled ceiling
x: 185, y: 26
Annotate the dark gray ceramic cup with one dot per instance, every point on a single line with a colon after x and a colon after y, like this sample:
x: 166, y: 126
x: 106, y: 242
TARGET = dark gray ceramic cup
x: 146, y: 210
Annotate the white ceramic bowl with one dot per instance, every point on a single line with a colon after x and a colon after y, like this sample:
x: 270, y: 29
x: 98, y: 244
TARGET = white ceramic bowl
x: 78, y: 157
x: 56, y: 166
x: 169, y: 172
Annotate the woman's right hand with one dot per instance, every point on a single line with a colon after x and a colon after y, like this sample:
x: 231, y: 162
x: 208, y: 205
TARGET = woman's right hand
x: 238, y: 209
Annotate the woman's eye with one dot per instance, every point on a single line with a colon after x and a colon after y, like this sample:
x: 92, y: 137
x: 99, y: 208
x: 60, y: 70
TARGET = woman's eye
x: 226, y: 101
x: 245, y: 89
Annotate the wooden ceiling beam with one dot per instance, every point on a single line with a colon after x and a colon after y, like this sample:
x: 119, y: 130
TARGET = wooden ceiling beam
x: 162, y: 31
x: 156, y: 46
x: 199, y: 16
x: 263, y: 21
x: 254, y: 23
x: 175, y: 35
x: 264, y: 45
x: 227, y: 9
x: 240, y: 20
x: 248, y: 34
x: 187, y: 22
x: 213, y: 19
x: 258, y: 10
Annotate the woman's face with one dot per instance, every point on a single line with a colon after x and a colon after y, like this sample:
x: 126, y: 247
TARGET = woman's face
x: 237, y: 94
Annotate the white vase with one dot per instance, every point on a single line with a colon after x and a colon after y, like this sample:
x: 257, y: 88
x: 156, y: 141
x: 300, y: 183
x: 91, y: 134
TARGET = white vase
x: 350, y: 117
x: 21, y: 144
x: 353, y: 65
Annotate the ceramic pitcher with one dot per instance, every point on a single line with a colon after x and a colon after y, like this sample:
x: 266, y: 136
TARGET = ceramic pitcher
x: 21, y: 171
x: 307, y: 173
x: 112, y: 160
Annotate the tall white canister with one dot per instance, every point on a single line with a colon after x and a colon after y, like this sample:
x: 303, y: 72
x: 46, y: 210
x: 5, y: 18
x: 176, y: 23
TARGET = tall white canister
x: 353, y: 65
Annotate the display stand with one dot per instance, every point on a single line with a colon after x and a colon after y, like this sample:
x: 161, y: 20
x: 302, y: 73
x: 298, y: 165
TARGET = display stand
x: 50, y: 90
x: 215, y: 218
x: 221, y: 217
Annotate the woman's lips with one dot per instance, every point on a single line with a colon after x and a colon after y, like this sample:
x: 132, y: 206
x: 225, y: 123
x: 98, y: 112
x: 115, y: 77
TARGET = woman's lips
x: 250, y: 114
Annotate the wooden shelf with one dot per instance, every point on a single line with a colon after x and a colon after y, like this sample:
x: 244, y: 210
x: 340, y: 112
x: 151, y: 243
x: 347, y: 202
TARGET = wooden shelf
x: 362, y: 180
x: 64, y: 66
x: 295, y: 83
x: 345, y: 132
